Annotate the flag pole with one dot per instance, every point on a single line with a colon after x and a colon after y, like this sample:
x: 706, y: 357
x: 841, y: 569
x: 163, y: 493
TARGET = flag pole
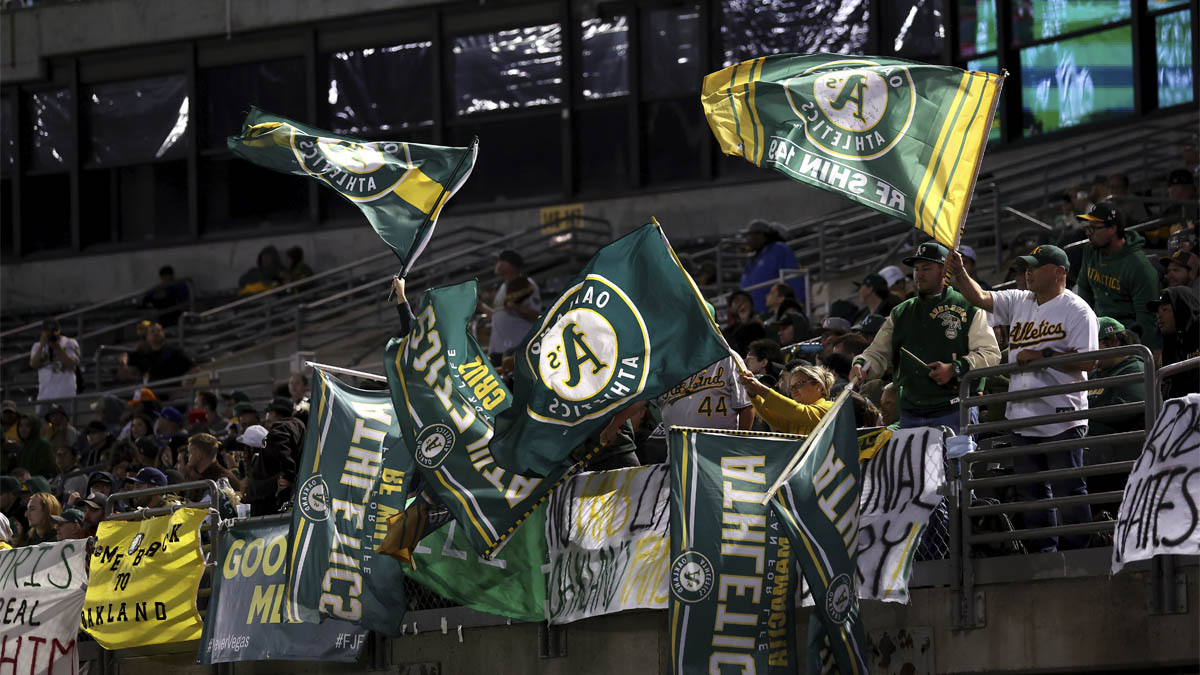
x: 470, y: 150
x: 794, y: 462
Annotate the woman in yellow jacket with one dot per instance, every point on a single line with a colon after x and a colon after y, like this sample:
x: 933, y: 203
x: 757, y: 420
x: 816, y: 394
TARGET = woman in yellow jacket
x: 799, y: 414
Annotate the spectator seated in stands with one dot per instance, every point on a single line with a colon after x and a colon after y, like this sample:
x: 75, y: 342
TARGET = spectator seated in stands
x: 298, y: 386
x: 1113, y: 334
x: 897, y: 281
x: 9, y: 416
x: 41, y: 508
x: 157, y: 360
x: 1116, y: 279
x: 1182, y: 269
x: 810, y: 387
x: 742, y: 325
x: 832, y: 329
x: 202, y: 462
x: 875, y: 297
x: 869, y: 326
x: 146, y: 478
x: 765, y: 360
x: 794, y: 327
x: 1178, y: 312
x: 297, y: 269
x: 71, y: 480
x: 267, y: 273
x: 69, y: 525
x: 58, y: 430
x: 98, y: 445
x: 32, y: 451
x: 55, y: 357
x: 167, y: 296
x: 203, y: 417
x: 169, y: 422
x: 769, y: 256
x: 92, y: 507
x: 1131, y: 205
x: 515, y: 306
x: 1181, y: 187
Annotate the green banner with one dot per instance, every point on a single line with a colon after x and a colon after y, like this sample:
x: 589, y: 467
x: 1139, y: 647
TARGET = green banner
x: 732, y: 577
x: 245, y: 620
x: 447, y: 396
x: 629, y: 327
x: 900, y: 137
x: 352, y: 478
x: 400, y: 187
x: 512, y: 584
x: 818, y: 507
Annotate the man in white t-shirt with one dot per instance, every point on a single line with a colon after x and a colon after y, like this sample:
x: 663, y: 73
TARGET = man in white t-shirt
x: 517, y: 304
x: 1046, y: 320
x: 54, y: 356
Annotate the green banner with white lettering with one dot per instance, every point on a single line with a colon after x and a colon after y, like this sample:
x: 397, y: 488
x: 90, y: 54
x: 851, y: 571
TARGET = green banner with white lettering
x: 732, y: 576
x: 246, y: 621
x: 901, y: 137
x: 447, y: 396
x: 400, y: 187
x: 629, y: 327
x: 352, y: 478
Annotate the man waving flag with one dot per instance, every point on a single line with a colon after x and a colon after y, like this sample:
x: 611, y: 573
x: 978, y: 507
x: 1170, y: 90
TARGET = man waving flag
x: 900, y: 137
x: 400, y: 187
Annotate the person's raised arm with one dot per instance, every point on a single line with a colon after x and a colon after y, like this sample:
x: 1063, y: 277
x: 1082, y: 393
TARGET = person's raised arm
x: 970, y: 288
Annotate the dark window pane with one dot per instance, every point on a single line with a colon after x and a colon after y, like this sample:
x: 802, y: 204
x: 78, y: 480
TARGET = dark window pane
x: 991, y: 64
x: 97, y: 202
x: 45, y: 212
x: 228, y: 92
x: 51, y: 129
x: 6, y: 217
x: 754, y: 28
x: 518, y: 159
x: 239, y: 195
x: 605, y: 50
x: 152, y: 201
x: 916, y: 27
x: 517, y: 68
x: 602, y: 148
x: 137, y: 120
x: 674, y: 138
x: 671, y: 53
x: 1173, y: 50
x: 1035, y: 20
x: 976, y: 27
x: 8, y: 135
x: 354, y: 80
x: 1077, y: 81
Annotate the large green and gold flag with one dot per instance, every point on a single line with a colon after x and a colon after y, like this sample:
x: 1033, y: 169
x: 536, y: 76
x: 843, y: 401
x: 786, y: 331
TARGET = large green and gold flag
x: 400, y: 187
x: 629, y: 327
x: 900, y: 137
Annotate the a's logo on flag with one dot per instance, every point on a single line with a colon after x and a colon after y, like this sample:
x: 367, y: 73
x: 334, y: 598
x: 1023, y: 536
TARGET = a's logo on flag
x: 840, y: 598
x: 360, y: 171
x: 433, y: 445
x: 312, y: 498
x: 853, y: 109
x: 591, y: 350
x: 691, y: 577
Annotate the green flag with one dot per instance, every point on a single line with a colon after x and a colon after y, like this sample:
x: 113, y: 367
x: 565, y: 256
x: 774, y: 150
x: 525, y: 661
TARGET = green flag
x: 818, y: 507
x: 447, y: 395
x: 400, y: 187
x: 900, y: 137
x: 351, y: 479
x: 629, y: 327
x: 731, y: 577
x: 511, y: 584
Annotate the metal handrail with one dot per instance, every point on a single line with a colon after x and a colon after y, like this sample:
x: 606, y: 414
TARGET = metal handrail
x: 1178, y: 367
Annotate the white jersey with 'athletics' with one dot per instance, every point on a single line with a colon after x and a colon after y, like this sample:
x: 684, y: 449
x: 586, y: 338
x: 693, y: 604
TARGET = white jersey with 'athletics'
x: 709, y: 399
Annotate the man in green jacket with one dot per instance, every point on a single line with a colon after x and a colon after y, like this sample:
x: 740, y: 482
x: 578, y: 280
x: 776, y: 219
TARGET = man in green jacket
x: 1113, y: 334
x: 928, y: 342
x: 1115, y: 278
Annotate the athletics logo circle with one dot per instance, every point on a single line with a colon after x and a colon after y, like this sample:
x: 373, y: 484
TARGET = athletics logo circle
x: 579, y: 354
x: 854, y: 100
x: 434, y: 445
x: 314, y: 494
x: 691, y: 577
x: 362, y: 172
x: 839, y: 598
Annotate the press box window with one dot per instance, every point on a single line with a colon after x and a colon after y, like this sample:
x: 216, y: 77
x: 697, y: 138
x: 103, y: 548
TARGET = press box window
x: 353, y: 79
x: 518, y: 68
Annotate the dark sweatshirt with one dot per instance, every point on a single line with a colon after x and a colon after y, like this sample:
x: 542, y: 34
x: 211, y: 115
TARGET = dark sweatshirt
x: 1184, y: 343
x: 1119, y: 285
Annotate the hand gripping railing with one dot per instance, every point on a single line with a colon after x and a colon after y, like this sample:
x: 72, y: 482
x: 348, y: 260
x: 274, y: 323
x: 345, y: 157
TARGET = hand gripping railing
x: 964, y: 483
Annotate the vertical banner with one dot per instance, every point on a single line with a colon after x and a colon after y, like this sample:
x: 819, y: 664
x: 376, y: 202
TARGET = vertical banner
x: 143, y: 580
x: 607, y: 534
x: 818, y: 507
x: 246, y: 621
x: 41, y: 593
x: 351, y: 480
x: 1159, y: 514
x: 731, y: 576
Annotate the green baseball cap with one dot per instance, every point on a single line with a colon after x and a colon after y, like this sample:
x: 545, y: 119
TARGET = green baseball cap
x: 931, y: 251
x: 1109, y: 326
x: 1046, y: 255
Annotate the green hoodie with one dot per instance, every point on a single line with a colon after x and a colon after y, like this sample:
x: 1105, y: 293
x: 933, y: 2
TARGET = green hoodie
x: 1120, y: 284
x: 36, y: 455
x: 1124, y: 393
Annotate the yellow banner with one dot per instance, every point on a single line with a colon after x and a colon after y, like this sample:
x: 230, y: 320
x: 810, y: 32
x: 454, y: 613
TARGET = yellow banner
x: 143, y: 579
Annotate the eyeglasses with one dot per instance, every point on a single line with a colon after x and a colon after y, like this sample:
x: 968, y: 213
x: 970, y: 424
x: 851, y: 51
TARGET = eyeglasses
x: 1093, y: 228
x: 800, y: 383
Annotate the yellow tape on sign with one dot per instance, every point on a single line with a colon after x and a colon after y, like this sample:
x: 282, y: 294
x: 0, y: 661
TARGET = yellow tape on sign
x: 143, y: 579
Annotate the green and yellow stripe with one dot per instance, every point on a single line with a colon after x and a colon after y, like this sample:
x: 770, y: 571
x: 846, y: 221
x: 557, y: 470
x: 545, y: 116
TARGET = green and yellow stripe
x: 728, y: 98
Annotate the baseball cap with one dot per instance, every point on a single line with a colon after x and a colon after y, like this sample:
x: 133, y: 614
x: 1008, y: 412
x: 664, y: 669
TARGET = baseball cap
x: 835, y: 324
x: 967, y: 252
x: 69, y: 516
x: 1109, y: 326
x: 35, y: 484
x: 94, y: 500
x: 243, y: 407
x: 511, y: 257
x: 874, y: 281
x: 1179, y: 177
x: 1046, y: 255
x: 142, y: 395
x: 281, y: 404
x: 931, y: 251
x: 254, y: 436
x: 150, y: 476
x: 100, y: 477
x: 1164, y: 298
x: 1102, y: 212
x: 96, y: 426
x: 197, y: 416
x: 171, y: 414
x: 892, y: 274
x: 8, y: 406
x: 1181, y: 257
x: 870, y: 324
x: 55, y: 408
x: 9, y: 484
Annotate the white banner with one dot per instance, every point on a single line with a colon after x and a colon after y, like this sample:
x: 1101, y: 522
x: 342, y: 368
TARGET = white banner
x: 608, y: 543
x: 1161, y: 508
x: 41, y: 595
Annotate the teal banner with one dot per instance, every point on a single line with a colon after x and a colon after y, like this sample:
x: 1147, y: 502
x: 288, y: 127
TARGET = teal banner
x: 246, y: 621
x: 352, y: 478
